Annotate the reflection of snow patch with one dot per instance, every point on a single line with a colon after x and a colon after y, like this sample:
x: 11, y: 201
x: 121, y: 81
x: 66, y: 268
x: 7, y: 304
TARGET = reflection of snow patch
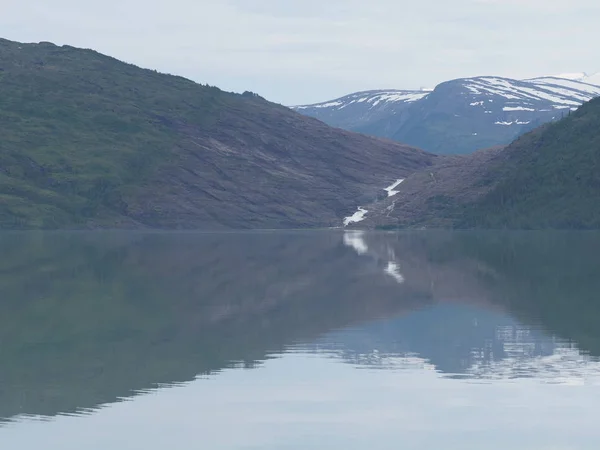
x: 393, y: 270
x: 355, y: 240
x: 358, y: 216
x: 566, y: 366
x: 390, y: 189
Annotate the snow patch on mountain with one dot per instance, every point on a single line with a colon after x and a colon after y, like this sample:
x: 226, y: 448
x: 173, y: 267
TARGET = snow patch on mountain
x: 542, y: 89
x: 390, y: 189
x: 372, y: 98
x: 516, y: 122
x: 517, y: 108
x: 323, y: 105
x: 358, y: 216
x: 565, y: 89
x: 493, y: 108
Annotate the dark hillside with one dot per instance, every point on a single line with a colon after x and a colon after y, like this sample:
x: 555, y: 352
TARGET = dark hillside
x: 89, y: 141
x: 548, y: 179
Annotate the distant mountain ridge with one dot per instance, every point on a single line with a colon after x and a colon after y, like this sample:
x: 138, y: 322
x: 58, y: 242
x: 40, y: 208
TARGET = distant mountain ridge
x: 368, y: 106
x: 462, y: 115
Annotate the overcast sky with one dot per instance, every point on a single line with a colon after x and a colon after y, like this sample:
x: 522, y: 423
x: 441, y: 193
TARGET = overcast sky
x: 304, y: 51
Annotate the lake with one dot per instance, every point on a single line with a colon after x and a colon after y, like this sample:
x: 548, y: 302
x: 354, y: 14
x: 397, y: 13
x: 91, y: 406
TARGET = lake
x: 300, y: 340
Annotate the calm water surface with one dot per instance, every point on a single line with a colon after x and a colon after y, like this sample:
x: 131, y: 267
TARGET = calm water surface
x: 299, y: 340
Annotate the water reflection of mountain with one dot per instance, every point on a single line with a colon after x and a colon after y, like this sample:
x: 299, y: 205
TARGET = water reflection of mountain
x: 459, y: 341
x: 547, y: 279
x: 90, y: 318
x: 549, y: 283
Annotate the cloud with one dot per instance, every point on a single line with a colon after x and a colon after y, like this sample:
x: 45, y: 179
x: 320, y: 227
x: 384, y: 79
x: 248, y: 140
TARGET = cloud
x: 310, y: 50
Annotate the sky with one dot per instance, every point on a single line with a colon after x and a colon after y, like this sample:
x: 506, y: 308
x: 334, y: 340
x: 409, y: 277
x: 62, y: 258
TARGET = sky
x: 305, y: 51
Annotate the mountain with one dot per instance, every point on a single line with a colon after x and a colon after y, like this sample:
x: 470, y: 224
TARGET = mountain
x: 89, y: 141
x: 545, y: 179
x: 459, y: 116
x: 581, y: 76
x: 361, y: 110
x: 593, y: 79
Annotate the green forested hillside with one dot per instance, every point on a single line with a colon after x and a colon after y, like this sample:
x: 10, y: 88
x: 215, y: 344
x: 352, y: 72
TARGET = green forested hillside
x: 79, y: 131
x: 549, y: 178
x: 89, y: 141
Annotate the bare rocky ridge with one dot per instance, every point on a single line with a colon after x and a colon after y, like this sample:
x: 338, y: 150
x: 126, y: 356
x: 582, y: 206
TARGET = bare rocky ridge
x: 271, y: 169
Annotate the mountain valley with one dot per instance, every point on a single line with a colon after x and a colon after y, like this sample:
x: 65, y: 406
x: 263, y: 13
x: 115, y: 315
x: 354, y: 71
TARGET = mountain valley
x: 547, y: 178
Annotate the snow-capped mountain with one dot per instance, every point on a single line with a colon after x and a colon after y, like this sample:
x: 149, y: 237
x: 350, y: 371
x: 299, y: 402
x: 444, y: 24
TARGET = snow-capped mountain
x: 354, y: 110
x: 580, y: 76
x: 462, y: 115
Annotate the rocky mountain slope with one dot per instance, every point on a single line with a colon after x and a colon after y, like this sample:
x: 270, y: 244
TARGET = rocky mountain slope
x: 548, y: 178
x: 88, y: 141
x: 459, y: 116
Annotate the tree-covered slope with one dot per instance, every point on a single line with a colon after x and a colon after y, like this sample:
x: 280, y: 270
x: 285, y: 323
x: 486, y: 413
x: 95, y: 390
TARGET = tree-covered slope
x: 548, y: 178
x: 90, y: 141
x: 80, y: 130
